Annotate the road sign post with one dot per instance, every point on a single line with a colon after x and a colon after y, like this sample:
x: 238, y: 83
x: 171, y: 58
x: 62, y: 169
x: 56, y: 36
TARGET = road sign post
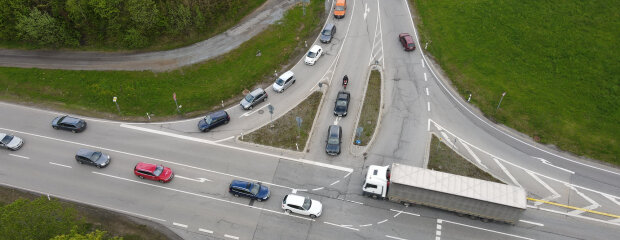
x: 117, y: 107
x: 270, y: 107
x: 299, y: 121
x: 500, y: 100
x: 358, y: 133
x: 174, y: 96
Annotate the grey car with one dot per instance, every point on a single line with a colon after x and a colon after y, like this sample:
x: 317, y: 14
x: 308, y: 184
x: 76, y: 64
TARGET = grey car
x: 253, y: 98
x: 334, y: 138
x: 91, y: 157
x: 328, y: 33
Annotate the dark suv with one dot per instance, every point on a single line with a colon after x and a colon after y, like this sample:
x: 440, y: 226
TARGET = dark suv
x: 69, y: 123
x: 342, y: 104
x: 328, y: 33
x: 91, y: 157
x: 213, y: 120
x: 253, y: 98
x: 334, y: 138
x: 248, y: 189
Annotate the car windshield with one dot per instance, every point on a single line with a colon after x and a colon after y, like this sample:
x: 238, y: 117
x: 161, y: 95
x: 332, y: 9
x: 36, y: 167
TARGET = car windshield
x: 158, y: 170
x: 326, y: 32
x: 280, y: 81
x: 307, y: 203
x: 95, y: 156
x: 7, y: 139
x: 333, y: 140
x: 311, y: 54
x: 249, y: 97
x: 410, y: 44
x: 341, y: 103
x: 208, y: 119
x: 339, y: 8
x: 255, y: 188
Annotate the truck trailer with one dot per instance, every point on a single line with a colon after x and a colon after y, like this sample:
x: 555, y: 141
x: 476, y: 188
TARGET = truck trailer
x: 462, y: 195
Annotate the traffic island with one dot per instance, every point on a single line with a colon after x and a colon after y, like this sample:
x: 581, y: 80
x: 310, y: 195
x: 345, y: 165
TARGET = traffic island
x: 442, y: 158
x: 286, y: 132
x: 369, y: 115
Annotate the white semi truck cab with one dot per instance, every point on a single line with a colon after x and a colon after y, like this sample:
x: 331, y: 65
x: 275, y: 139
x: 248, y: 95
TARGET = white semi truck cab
x: 377, y: 181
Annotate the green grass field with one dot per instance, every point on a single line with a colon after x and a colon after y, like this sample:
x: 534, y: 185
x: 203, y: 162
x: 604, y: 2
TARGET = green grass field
x: 199, y: 88
x: 370, y: 109
x: 558, y: 62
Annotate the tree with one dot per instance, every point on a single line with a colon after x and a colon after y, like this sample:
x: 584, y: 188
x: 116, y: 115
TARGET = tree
x: 75, y: 235
x: 42, y: 29
x: 38, y: 219
x: 142, y: 13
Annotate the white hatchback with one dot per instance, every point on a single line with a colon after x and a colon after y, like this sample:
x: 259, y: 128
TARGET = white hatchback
x: 314, y: 54
x: 302, y: 205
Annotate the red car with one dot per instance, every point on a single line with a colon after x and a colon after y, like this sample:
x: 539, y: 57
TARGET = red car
x: 407, y: 41
x: 153, y: 172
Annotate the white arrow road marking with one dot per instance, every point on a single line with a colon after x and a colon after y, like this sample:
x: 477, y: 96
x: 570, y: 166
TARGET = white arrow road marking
x: 194, y: 179
x: 250, y: 113
x: 593, y: 204
x: 512, y: 178
x: 15, y: 155
x: 544, y: 161
x: 553, y: 195
x: 473, y: 154
x: 58, y: 164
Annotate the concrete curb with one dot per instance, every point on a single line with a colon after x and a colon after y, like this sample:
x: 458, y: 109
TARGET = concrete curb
x: 360, y: 150
x: 316, y: 116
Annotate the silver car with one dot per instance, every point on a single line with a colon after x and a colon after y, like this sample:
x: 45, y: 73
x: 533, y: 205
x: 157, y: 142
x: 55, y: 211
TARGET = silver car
x: 10, y: 142
x: 253, y: 98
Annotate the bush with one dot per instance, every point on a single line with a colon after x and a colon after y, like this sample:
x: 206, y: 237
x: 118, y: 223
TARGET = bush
x: 41, y: 29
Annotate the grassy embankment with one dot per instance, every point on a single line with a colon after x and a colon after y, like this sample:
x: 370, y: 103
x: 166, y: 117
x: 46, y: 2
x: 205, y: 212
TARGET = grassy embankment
x: 556, y: 60
x: 284, y: 133
x: 199, y: 88
x: 370, y: 109
x: 442, y: 158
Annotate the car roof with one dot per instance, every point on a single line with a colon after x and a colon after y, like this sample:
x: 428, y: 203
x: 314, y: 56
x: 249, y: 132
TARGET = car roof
x: 329, y: 26
x: 71, y: 120
x: 333, y: 129
x: 343, y: 94
x: 295, y: 199
x: 287, y: 74
x: 315, y: 48
x: 257, y: 91
x: 85, y: 152
x: 146, y: 166
x: 218, y: 114
x: 240, y: 184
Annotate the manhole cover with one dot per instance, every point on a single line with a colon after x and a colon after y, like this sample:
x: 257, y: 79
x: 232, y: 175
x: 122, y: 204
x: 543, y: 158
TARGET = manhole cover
x: 261, y: 111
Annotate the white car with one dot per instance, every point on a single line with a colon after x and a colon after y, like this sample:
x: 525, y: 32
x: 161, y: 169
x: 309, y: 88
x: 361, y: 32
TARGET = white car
x: 11, y: 142
x: 314, y: 54
x: 302, y: 205
x: 284, y: 81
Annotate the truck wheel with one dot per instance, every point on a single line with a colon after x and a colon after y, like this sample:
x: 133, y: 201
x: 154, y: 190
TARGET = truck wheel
x: 374, y: 196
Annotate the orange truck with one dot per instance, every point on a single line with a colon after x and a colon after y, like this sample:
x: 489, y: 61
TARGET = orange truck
x: 340, y: 8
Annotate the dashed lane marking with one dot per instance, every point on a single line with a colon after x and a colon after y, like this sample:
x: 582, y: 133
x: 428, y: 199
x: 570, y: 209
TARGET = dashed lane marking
x: 58, y: 164
x: 342, y: 226
x: 428, y: 106
x: 533, y: 223
x: 231, y: 236
x: 19, y: 156
x: 380, y: 222
x: 194, y: 179
x: 337, y: 181
x: 316, y: 189
x: 205, y: 230
x: 179, y: 224
x: 366, y: 225
x: 397, y: 238
x: 427, y: 92
x: 425, y: 79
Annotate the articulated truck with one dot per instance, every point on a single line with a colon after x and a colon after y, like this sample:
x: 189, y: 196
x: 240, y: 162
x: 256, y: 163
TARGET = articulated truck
x: 463, y: 195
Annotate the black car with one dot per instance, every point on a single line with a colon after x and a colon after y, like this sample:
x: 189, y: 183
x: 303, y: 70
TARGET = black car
x: 334, y: 138
x: 213, y: 120
x: 91, y: 157
x: 253, y: 98
x: 69, y: 123
x: 328, y: 33
x: 247, y: 189
x: 342, y: 104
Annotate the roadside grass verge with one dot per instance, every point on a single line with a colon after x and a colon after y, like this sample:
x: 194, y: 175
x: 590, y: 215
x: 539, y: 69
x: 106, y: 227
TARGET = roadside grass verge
x: 284, y: 132
x: 442, y: 158
x: 115, y: 224
x: 370, y: 109
x: 556, y: 60
x: 199, y: 88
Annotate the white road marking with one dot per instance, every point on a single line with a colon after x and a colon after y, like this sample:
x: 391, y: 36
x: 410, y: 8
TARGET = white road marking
x: 544, y: 161
x: 425, y: 77
x: 19, y: 156
x: 422, y: 61
x: 345, y: 176
x: 333, y: 224
x: 201, y: 180
x: 199, y: 195
x: 408, y: 213
x: 397, y: 238
x: 337, y: 120
x: 231, y: 236
x: 366, y: 10
x: 81, y: 201
x: 427, y: 92
x: 360, y: 203
x: 316, y: 189
x: 488, y: 230
x: 179, y: 224
x: 366, y: 225
x: 337, y: 181
x: 448, y: 140
x: 553, y: 195
x: 533, y: 223
x: 58, y: 164
x: 250, y: 113
x: 205, y: 230
x: 577, y: 216
x: 428, y: 106
x: 344, y: 169
x: 398, y: 213
x: 473, y: 154
x: 612, y: 198
x: 380, y: 222
x: 224, y: 139
x: 512, y: 178
x: 593, y: 204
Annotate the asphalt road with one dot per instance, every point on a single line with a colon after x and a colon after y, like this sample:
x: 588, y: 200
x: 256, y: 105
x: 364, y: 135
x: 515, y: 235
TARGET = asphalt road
x: 196, y: 203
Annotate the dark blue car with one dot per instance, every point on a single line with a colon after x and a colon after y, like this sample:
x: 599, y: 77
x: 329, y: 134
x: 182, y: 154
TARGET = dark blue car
x: 69, y: 123
x: 248, y: 189
x: 213, y: 120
